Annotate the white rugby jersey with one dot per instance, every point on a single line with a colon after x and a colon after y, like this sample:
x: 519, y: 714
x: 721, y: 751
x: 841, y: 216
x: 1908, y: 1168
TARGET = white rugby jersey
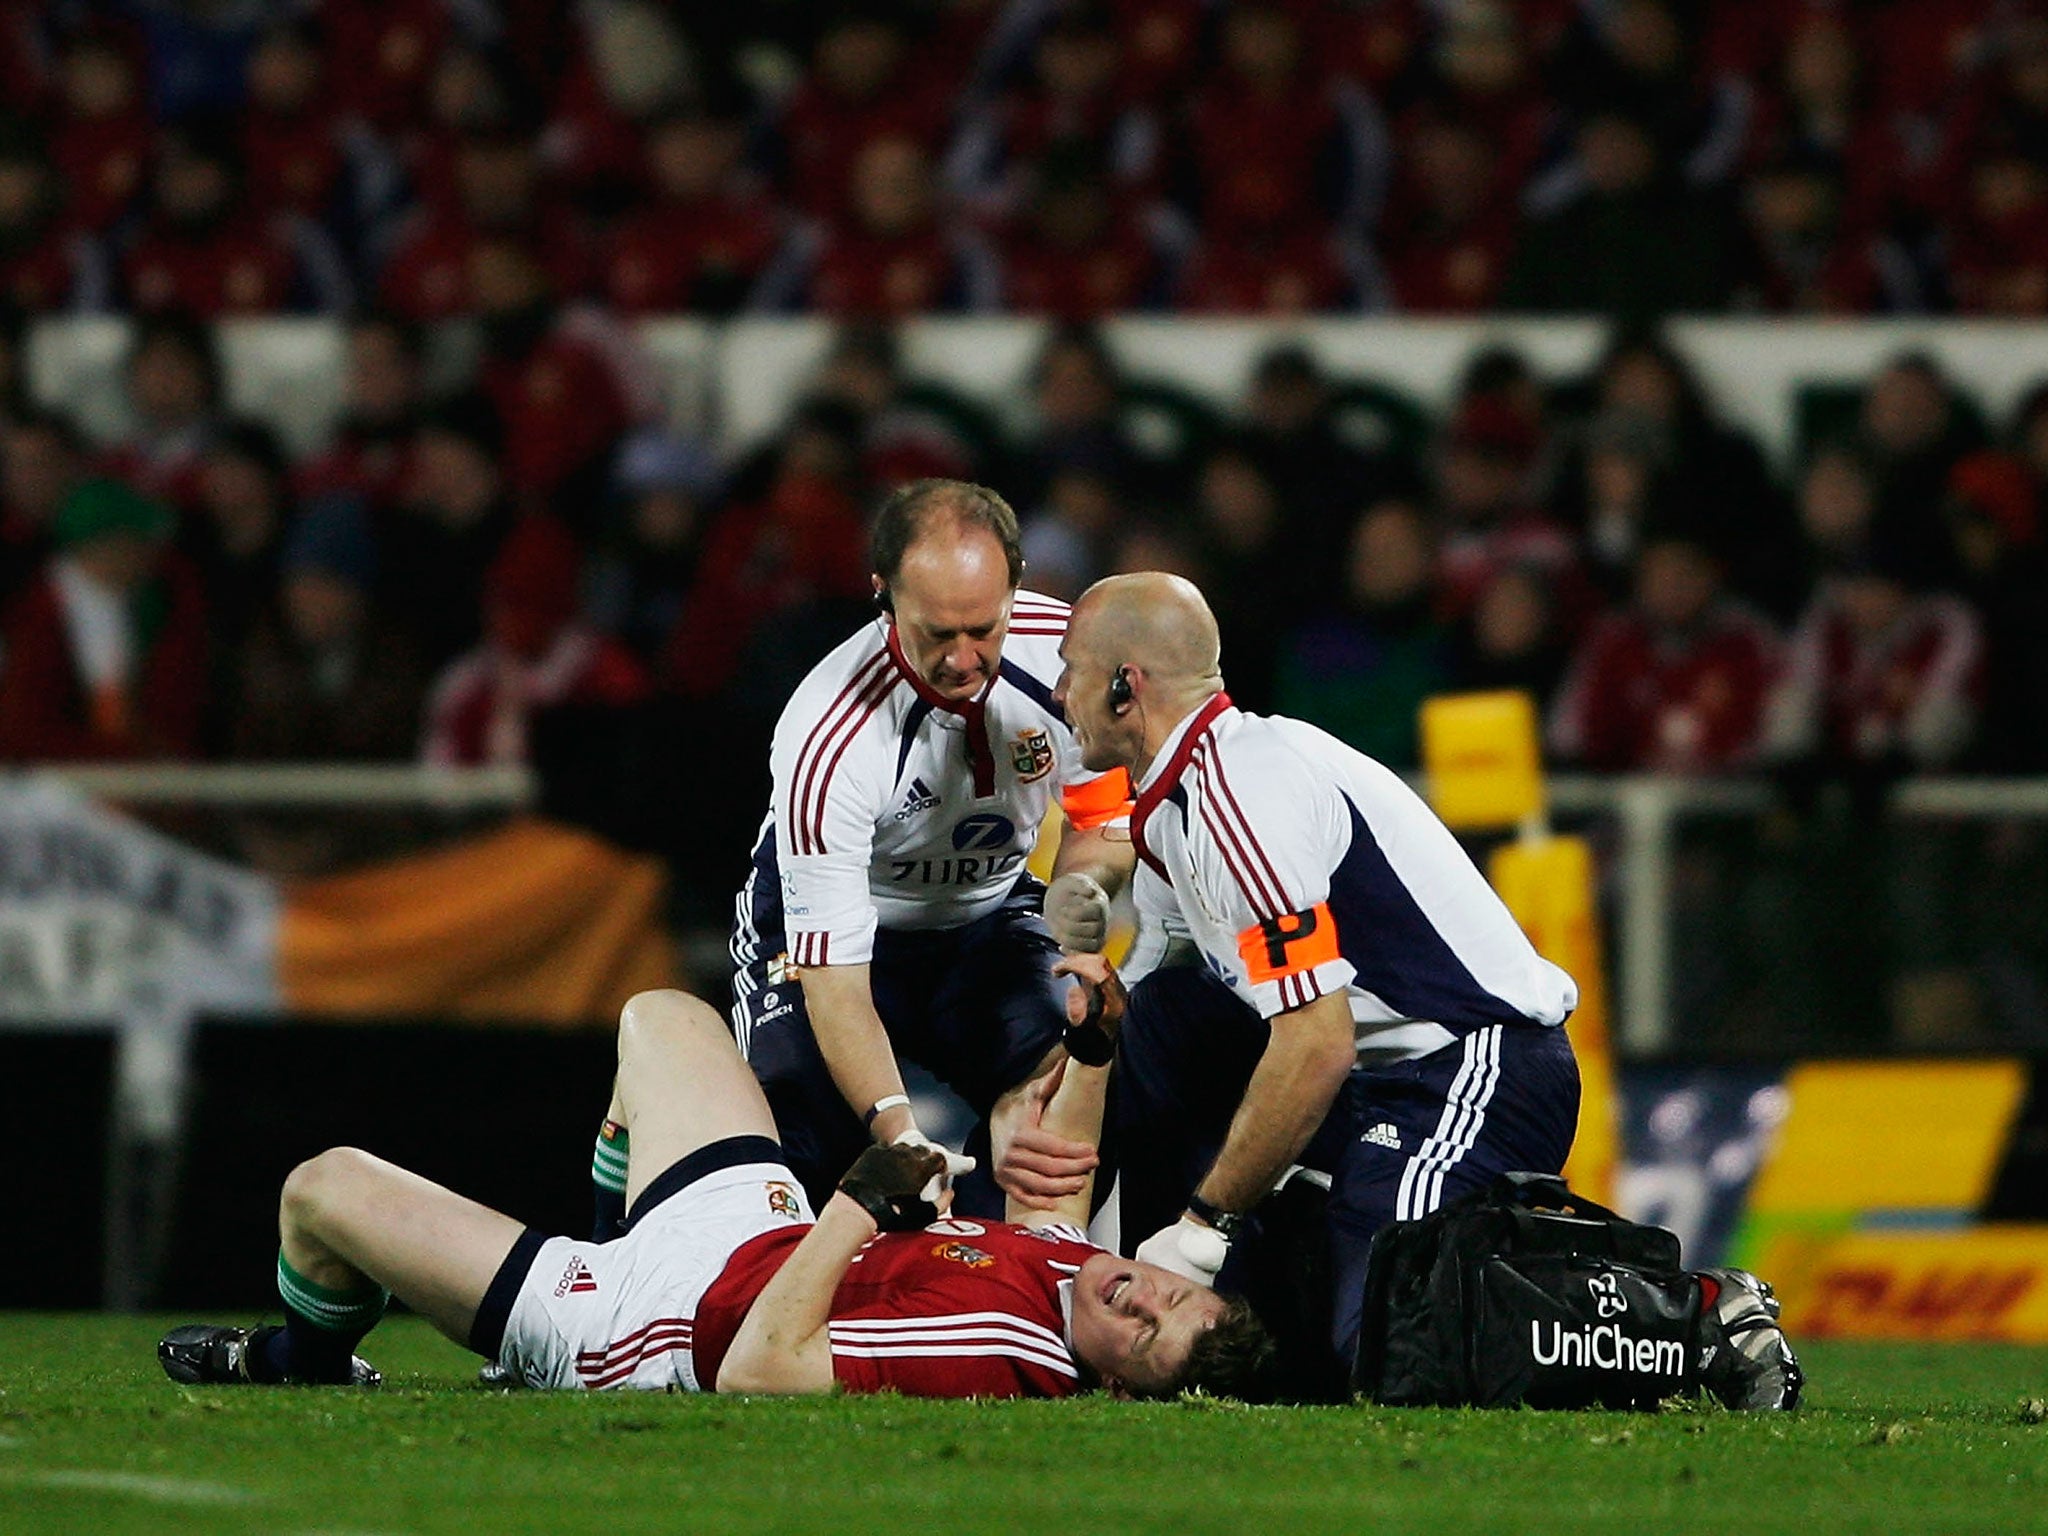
x: 894, y: 807
x: 1301, y: 866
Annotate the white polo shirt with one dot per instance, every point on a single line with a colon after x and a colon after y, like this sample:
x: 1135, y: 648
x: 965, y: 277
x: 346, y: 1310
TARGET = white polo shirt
x: 1301, y: 867
x: 896, y: 808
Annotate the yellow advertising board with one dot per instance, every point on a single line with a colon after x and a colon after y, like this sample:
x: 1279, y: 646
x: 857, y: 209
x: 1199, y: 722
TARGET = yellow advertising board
x: 1979, y: 1283
x: 1868, y: 1136
x: 1548, y: 884
x: 1480, y: 755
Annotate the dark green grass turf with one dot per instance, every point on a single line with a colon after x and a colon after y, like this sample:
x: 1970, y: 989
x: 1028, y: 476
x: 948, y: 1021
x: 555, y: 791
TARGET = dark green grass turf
x: 94, y: 1439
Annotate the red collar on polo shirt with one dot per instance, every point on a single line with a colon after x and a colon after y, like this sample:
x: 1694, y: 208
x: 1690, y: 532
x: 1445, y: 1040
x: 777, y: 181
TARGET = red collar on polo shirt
x: 974, y: 711
x: 1163, y: 781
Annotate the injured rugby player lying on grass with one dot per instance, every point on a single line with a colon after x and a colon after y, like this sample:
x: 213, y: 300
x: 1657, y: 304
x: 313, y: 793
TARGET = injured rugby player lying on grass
x: 724, y: 1280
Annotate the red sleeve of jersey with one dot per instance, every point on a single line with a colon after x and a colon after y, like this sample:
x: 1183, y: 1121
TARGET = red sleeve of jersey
x: 725, y: 1302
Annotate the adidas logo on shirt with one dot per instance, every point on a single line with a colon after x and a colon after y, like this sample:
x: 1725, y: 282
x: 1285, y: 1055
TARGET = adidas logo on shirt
x: 576, y: 1278
x: 919, y: 800
x: 1384, y: 1135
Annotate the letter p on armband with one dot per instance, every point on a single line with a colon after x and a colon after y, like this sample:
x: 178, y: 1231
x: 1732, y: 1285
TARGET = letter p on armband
x: 1287, y: 945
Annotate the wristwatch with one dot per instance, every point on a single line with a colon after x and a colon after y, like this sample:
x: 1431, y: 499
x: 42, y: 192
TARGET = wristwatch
x: 1225, y: 1222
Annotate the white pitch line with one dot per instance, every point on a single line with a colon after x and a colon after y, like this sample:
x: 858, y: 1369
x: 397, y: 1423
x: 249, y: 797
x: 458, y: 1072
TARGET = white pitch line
x: 161, y: 1490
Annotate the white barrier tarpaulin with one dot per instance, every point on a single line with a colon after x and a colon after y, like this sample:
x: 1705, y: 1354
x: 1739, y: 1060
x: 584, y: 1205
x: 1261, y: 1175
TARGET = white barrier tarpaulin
x: 104, y: 921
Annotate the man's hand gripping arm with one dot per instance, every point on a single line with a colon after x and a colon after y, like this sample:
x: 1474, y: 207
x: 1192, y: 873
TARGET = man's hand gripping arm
x: 1037, y: 1167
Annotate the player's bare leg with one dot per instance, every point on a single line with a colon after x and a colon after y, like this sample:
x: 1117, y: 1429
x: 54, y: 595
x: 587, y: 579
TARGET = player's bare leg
x: 348, y: 1219
x: 354, y: 1231
x: 682, y: 1084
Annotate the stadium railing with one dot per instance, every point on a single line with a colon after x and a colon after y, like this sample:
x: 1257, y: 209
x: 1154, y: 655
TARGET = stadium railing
x: 1644, y: 815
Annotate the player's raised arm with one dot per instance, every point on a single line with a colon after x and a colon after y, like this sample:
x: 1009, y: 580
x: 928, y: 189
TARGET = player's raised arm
x: 1065, y: 1107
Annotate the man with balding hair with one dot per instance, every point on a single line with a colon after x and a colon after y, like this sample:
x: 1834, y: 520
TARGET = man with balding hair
x: 1366, y: 1009
x: 888, y: 913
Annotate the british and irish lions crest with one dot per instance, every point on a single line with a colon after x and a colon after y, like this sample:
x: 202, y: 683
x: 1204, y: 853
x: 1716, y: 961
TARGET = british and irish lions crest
x: 1031, y: 754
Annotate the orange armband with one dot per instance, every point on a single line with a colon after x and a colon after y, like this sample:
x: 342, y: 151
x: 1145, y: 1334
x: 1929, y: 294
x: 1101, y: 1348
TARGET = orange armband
x: 1097, y: 802
x: 1289, y: 944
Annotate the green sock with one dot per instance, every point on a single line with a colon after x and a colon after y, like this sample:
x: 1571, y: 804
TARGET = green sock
x: 321, y: 1326
x: 608, y: 1178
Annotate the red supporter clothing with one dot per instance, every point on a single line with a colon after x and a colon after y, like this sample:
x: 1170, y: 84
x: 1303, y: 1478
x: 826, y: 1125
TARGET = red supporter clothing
x: 25, y: 74
x: 589, y: 142
x: 563, y: 405
x: 1116, y: 273
x: 245, y: 268
x: 1874, y: 154
x: 1923, y: 47
x: 1290, y: 274
x: 49, y: 275
x: 961, y: 1309
x: 1161, y: 41
x: 373, y: 468
x: 1638, y: 699
x: 677, y: 256
x: 823, y: 135
x: 1448, y: 271
x: 49, y: 713
x: 950, y: 40
x: 805, y: 543
x: 483, y: 704
x: 294, y: 161
x: 1846, y: 280
x: 382, y: 55
x: 1374, y: 42
x: 1911, y: 691
x: 1517, y: 125
x: 2000, y: 265
x: 860, y: 274
x: 100, y: 163
x: 1258, y: 156
x: 427, y: 276
x: 1470, y: 558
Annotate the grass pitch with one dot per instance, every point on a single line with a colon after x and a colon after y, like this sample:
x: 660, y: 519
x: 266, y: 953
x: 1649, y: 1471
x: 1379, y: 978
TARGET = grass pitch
x: 94, y: 1439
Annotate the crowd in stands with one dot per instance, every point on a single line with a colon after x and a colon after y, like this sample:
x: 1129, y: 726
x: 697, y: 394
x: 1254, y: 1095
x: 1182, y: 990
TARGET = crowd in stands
x: 1070, y: 158
x: 508, y: 571
x: 448, y: 573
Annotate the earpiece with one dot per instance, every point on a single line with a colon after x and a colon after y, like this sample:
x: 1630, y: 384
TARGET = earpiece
x: 884, y: 600
x: 1120, y: 690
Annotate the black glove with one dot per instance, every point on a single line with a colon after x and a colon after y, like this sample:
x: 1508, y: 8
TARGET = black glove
x: 1090, y: 1042
x: 889, y: 1183
x: 1092, y: 1039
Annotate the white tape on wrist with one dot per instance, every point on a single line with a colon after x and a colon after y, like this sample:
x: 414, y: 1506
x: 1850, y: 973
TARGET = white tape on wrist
x: 1205, y: 1247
